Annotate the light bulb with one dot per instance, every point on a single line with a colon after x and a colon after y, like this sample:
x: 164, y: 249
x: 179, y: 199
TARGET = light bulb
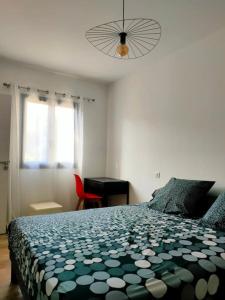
x: 122, y: 50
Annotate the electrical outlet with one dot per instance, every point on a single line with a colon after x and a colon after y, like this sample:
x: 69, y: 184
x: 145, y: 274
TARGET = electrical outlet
x: 157, y: 175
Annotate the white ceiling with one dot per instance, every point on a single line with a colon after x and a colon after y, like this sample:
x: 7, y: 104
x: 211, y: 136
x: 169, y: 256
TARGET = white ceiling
x: 51, y: 33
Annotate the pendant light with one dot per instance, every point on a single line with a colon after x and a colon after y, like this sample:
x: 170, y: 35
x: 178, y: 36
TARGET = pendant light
x: 126, y: 38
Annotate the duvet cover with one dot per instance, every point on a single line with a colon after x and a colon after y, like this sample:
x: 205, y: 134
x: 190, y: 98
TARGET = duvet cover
x: 118, y: 253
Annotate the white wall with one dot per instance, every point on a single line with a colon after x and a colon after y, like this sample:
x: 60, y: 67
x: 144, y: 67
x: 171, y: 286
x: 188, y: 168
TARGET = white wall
x: 5, y: 103
x: 170, y: 118
x: 94, y: 151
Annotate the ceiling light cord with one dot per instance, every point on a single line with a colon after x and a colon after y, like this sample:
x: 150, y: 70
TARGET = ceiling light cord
x: 123, y: 13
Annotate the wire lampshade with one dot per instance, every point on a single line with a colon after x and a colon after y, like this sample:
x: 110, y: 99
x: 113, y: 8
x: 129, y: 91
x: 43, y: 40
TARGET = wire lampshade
x: 126, y: 38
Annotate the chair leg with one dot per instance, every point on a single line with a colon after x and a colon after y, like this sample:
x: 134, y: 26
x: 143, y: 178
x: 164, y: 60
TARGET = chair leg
x: 79, y: 203
x: 83, y: 205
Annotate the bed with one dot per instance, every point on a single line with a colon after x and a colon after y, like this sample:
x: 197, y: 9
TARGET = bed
x: 116, y: 253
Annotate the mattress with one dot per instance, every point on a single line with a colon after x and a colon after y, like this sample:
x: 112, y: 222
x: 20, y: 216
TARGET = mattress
x: 118, y: 253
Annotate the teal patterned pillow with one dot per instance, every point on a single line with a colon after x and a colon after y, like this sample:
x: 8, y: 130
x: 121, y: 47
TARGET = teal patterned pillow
x: 160, y: 198
x: 215, y: 216
x: 182, y: 196
x: 155, y: 193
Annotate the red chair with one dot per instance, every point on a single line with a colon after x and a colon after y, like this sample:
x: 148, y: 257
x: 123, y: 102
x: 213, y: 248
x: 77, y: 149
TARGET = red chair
x: 85, y: 197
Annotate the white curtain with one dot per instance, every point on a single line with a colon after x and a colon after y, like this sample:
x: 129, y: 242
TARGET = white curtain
x: 14, y: 194
x: 46, y: 150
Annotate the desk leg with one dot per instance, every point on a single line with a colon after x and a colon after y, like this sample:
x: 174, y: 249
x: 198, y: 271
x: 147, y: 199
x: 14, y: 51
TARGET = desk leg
x: 128, y: 196
x: 105, y: 201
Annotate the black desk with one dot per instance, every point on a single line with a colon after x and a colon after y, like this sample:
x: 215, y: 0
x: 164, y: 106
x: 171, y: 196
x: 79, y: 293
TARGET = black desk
x: 105, y: 187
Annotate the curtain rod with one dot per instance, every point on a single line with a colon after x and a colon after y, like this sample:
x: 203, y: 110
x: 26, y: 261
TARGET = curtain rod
x: 8, y: 85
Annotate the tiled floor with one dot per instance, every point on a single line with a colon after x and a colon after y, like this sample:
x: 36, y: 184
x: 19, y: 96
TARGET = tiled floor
x: 7, y: 291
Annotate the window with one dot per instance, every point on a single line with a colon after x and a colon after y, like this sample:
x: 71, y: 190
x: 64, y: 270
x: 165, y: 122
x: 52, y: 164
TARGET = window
x: 64, y: 125
x: 48, y: 132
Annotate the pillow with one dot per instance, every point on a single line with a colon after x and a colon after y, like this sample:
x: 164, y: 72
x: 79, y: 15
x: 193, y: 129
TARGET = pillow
x: 209, y: 199
x: 182, y: 196
x: 155, y: 193
x: 215, y: 216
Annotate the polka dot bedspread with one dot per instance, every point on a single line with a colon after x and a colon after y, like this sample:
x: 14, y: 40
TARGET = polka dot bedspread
x: 118, y: 253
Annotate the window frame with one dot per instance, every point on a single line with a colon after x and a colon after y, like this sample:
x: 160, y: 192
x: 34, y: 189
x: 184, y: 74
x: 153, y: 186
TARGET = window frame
x: 56, y: 165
